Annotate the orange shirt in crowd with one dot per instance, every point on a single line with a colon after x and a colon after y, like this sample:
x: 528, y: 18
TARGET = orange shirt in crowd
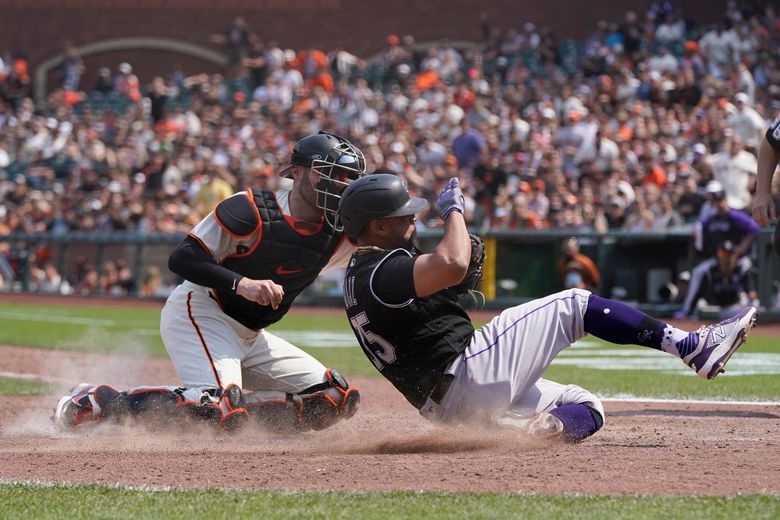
x: 323, y: 79
x: 590, y: 273
x: 426, y: 80
x: 656, y: 176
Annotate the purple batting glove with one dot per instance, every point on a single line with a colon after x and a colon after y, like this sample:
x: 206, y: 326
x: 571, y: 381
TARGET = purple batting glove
x: 451, y: 198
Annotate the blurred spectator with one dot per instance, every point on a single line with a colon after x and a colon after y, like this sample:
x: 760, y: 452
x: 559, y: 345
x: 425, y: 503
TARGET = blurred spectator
x: 719, y: 47
x: 152, y: 282
x: 89, y: 284
x: 104, y: 82
x: 212, y: 190
x: 576, y: 269
x: 158, y: 97
x: 72, y: 68
x: 746, y: 123
x: 47, y: 279
x: 237, y: 40
x: 735, y: 169
x: 256, y: 62
x: 127, y: 83
x: 468, y: 146
x: 686, y: 192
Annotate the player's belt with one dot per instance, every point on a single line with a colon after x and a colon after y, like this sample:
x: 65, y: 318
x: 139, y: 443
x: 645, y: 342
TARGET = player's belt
x: 440, y: 390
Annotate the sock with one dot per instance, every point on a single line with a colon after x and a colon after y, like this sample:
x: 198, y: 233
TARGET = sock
x: 678, y: 342
x: 622, y: 324
x: 579, y: 420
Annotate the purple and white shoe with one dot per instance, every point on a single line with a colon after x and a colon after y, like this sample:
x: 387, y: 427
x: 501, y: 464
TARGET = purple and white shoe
x: 718, y: 342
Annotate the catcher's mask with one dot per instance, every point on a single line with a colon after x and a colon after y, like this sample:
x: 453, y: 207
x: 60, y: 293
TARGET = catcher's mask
x: 337, y: 162
x: 380, y: 195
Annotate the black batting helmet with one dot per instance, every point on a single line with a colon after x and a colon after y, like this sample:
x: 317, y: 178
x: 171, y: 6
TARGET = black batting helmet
x: 337, y: 161
x: 380, y: 195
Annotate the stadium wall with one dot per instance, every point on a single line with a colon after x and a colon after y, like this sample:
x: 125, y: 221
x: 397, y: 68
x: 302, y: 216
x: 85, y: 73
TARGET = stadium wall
x: 39, y: 27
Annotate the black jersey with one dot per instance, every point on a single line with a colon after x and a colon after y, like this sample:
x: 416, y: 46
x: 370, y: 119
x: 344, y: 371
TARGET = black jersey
x: 726, y: 289
x: 411, y: 342
x: 773, y: 134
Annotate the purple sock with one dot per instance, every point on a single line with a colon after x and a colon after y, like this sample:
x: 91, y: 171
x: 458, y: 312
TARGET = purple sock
x: 622, y: 324
x: 579, y: 420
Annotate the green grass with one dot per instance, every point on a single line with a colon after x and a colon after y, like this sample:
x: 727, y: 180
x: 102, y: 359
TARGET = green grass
x: 136, y: 331
x: 10, y: 386
x: 25, y: 501
x: 669, y: 386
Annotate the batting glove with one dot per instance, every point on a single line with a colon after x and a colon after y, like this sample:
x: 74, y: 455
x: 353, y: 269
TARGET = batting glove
x: 451, y: 198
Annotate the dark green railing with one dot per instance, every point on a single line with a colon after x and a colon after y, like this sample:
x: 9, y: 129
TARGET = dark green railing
x: 524, y: 265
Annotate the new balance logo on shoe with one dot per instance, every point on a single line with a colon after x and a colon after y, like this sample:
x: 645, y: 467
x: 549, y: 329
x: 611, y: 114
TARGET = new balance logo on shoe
x: 718, y: 342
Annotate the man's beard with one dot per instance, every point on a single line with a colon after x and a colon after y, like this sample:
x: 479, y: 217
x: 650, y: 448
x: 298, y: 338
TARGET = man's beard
x: 411, y: 243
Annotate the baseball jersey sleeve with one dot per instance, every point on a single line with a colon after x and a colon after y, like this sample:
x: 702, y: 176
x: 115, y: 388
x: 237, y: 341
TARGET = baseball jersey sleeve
x: 744, y: 222
x: 213, y: 236
x: 392, y: 282
x: 773, y: 134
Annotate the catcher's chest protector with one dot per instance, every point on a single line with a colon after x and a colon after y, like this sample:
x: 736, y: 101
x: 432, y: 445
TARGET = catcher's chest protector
x: 291, y: 259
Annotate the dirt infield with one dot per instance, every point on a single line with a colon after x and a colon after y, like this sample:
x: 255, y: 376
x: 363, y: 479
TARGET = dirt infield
x: 719, y: 449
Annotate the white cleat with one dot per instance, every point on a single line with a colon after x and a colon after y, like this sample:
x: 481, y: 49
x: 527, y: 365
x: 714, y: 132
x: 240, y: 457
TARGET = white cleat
x: 542, y: 425
x: 718, y: 342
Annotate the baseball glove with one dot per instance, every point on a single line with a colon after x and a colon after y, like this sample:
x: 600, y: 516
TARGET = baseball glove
x: 476, y: 262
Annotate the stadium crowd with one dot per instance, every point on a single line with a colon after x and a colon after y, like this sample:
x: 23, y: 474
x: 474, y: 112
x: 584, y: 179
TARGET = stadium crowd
x: 624, y: 130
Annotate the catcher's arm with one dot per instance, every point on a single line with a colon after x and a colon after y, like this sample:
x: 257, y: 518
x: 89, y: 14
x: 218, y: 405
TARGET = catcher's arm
x: 447, y: 264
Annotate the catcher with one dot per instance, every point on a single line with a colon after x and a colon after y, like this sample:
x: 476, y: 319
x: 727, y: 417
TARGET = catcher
x: 243, y: 265
x: 402, y: 306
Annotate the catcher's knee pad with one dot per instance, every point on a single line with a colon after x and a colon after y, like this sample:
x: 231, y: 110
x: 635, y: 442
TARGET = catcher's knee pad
x: 316, y: 408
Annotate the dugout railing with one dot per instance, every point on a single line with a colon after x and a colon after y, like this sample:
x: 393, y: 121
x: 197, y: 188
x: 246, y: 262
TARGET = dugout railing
x: 635, y: 267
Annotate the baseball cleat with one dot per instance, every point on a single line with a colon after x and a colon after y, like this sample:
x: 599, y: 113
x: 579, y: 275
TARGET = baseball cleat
x: 546, y: 426
x: 718, y: 342
x: 82, y: 408
x: 542, y: 425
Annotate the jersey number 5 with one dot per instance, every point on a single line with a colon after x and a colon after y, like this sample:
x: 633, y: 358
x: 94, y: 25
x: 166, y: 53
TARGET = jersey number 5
x: 381, y: 351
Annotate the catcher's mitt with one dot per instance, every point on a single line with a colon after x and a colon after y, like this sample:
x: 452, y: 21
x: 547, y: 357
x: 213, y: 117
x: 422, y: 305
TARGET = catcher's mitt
x: 476, y: 262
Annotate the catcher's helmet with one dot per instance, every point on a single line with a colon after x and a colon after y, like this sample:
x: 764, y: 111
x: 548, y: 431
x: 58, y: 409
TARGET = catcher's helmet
x: 380, y: 195
x: 337, y: 161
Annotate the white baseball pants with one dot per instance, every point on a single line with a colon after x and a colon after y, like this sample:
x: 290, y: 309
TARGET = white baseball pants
x: 500, y: 371
x: 210, y: 349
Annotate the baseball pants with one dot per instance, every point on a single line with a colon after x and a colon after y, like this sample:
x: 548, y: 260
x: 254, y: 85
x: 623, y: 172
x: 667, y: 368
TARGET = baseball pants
x: 500, y: 372
x: 210, y: 349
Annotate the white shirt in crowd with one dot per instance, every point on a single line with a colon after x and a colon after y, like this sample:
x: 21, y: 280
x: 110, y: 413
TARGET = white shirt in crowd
x: 734, y: 173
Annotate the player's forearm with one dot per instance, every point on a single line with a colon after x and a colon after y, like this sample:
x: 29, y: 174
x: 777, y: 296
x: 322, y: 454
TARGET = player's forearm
x: 447, y: 264
x: 454, y: 250
x: 768, y: 158
x: 190, y: 261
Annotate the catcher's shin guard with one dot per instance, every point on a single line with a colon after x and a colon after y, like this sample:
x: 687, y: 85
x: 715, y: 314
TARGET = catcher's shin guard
x: 316, y: 408
x: 224, y: 407
x: 153, y: 406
